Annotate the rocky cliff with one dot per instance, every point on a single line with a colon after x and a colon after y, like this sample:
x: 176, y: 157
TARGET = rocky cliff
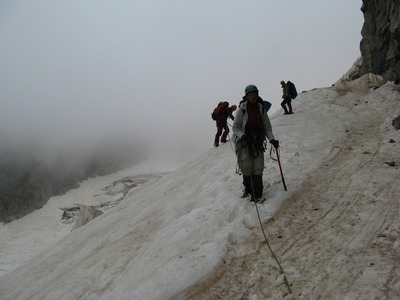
x: 380, y: 44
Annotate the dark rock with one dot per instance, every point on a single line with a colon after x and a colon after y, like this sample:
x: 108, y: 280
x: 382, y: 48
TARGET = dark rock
x: 396, y: 123
x: 381, y: 39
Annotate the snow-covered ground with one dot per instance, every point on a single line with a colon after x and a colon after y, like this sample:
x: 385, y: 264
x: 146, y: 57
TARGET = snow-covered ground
x: 187, y: 234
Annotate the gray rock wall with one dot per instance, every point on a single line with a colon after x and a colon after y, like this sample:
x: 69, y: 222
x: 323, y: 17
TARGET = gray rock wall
x: 380, y: 44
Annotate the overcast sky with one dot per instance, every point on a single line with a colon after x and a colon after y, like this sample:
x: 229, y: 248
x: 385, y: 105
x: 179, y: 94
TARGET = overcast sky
x: 73, y: 71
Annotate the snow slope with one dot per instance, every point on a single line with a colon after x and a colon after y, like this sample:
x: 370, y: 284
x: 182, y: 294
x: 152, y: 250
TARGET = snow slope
x: 187, y: 234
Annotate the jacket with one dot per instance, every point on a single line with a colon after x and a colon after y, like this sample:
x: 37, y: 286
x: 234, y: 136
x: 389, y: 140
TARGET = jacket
x: 239, y: 124
x: 227, y: 113
x: 286, y: 91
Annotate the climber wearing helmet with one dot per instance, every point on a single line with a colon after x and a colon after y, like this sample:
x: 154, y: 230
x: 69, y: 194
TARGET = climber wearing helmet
x: 250, y: 127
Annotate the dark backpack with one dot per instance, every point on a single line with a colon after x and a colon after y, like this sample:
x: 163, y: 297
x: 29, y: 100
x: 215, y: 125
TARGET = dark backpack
x: 216, y: 114
x: 292, y: 89
x: 267, y: 105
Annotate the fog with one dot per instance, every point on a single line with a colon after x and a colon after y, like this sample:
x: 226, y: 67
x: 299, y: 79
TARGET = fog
x: 75, y: 73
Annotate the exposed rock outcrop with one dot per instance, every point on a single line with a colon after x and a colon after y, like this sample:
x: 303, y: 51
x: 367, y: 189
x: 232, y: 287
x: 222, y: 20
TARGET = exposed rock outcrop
x: 396, y: 123
x: 380, y: 44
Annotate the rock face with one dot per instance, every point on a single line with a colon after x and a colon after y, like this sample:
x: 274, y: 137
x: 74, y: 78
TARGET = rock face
x: 380, y: 44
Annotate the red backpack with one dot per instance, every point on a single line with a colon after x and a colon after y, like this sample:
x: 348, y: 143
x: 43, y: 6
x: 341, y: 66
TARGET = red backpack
x: 216, y: 114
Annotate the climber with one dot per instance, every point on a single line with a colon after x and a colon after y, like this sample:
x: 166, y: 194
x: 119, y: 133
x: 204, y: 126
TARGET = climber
x: 250, y: 127
x: 221, y: 114
x: 287, y: 98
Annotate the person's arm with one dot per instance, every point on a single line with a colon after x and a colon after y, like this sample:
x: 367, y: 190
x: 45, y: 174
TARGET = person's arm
x: 231, y: 115
x: 237, y: 127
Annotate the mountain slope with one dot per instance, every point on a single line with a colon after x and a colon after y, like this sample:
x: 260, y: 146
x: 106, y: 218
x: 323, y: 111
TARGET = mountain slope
x: 189, y: 235
x: 338, y: 233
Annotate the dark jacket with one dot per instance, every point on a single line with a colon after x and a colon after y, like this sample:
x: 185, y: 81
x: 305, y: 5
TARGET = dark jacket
x: 227, y: 113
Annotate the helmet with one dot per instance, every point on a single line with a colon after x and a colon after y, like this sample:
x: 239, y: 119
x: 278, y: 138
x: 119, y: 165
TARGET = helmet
x: 282, y: 82
x: 250, y: 88
x: 233, y: 107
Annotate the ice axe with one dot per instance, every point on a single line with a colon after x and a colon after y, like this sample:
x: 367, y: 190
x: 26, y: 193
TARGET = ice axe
x: 280, y: 168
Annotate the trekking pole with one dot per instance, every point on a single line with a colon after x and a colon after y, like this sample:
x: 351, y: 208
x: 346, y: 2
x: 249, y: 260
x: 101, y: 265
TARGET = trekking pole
x: 280, y: 168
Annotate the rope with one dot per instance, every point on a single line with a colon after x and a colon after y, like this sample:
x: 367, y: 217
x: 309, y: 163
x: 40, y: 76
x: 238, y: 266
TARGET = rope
x: 259, y: 218
x: 270, y: 153
x: 265, y: 236
x: 272, y: 252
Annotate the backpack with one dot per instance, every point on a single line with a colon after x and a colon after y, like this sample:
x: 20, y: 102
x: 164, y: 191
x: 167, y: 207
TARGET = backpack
x: 267, y: 105
x: 216, y: 114
x: 292, y: 89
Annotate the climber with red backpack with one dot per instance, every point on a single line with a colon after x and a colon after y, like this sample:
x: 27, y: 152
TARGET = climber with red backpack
x: 220, y: 115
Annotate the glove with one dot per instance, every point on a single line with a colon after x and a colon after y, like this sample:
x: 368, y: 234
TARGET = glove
x: 275, y: 143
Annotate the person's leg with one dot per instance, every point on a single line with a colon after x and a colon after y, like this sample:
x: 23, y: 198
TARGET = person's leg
x: 258, y: 186
x: 218, y: 134
x: 245, y: 165
x: 257, y: 177
x: 283, y: 104
x: 247, y: 186
x: 289, y: 104
x: 225, y: 134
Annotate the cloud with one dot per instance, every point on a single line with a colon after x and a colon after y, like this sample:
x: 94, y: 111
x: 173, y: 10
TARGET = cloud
x: 78, y: 72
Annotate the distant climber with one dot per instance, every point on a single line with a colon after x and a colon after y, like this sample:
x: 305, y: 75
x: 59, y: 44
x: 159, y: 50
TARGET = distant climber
x: 288, y: 93
x: 250, y: 127
x: 221, y: 114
